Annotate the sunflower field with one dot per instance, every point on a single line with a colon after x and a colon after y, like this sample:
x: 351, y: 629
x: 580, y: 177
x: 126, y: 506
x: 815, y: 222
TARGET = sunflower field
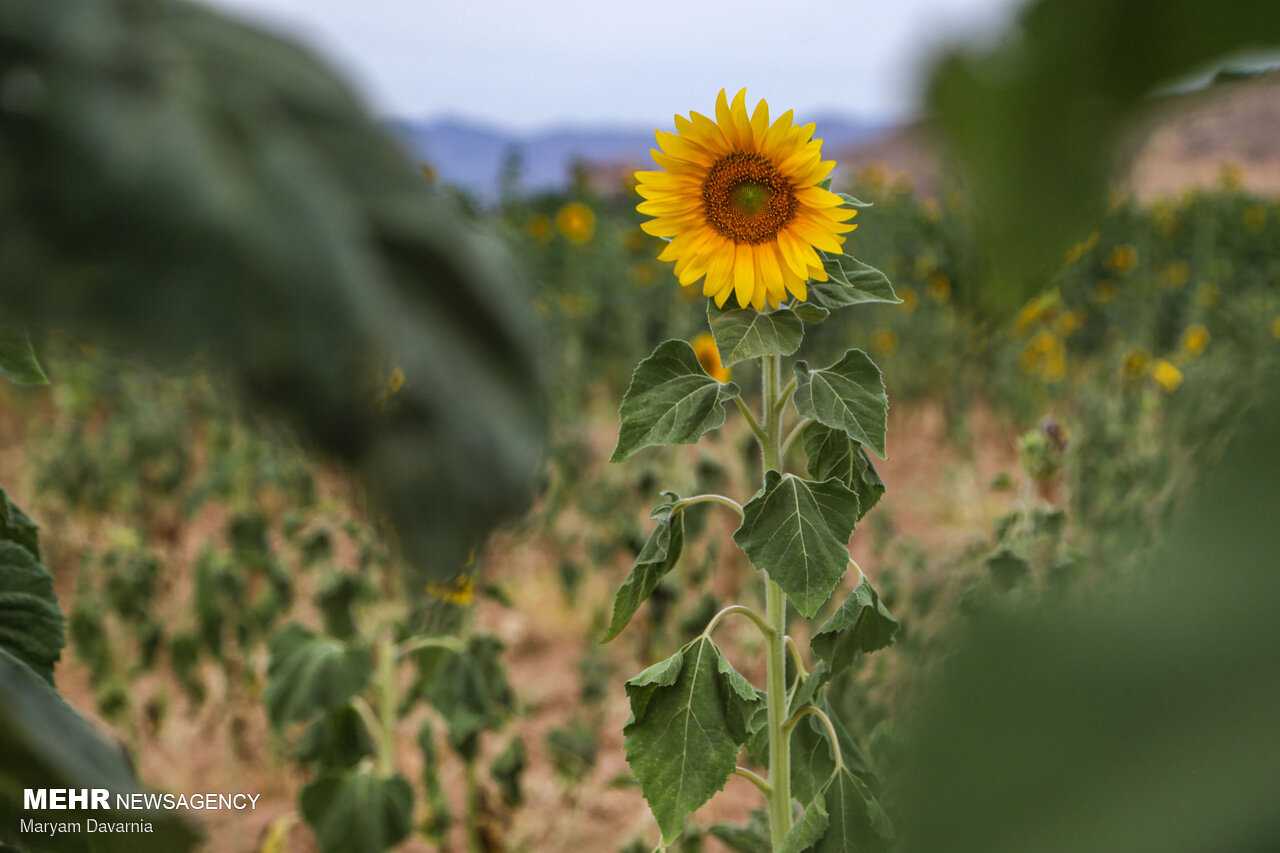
x: 755, y: 502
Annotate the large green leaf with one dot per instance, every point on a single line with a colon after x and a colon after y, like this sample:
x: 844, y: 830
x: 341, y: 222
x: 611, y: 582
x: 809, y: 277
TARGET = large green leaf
x: 17, y: 359
x: 471, y: 692
x: 753, y: 837
x: 659, y: 556
x: 849, y: 396
x: 861, y: 625
x: 850, y: 282
x: 45, y: 744
x: 832, y: 453
x: 744, y: 333
x: 798, y: 531
x: 857, y: 823
x: 808, y: 830
x: 671, y: 400
x: 188, y: 185
x: 30, y: 618
x: 336, y: 741
x: 680, y: 740
x: 17, y: 526
x: 311, y: 673
x: 358, y: 812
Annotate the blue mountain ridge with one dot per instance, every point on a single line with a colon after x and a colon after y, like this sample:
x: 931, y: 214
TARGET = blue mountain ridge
x: 470, y: 154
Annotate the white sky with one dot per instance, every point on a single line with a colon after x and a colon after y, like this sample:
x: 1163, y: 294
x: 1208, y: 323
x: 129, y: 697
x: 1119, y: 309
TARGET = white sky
x: 604, y: 62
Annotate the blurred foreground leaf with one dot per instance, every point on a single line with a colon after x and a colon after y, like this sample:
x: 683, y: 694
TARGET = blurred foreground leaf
x: 1034, y: 120
x: 176, y: 183
x: 1145, y: 720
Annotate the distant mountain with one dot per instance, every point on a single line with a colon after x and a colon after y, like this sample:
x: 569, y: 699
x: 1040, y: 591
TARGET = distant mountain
x: 470, y: 155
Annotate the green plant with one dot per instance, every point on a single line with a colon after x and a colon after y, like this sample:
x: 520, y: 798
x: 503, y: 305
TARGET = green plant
x: 693, y: 712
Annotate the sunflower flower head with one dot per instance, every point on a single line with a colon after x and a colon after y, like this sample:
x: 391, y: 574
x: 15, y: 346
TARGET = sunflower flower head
x: 739, y: 199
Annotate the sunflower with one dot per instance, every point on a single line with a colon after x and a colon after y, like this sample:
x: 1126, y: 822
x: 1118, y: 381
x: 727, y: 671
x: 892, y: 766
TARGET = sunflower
x: 740, y: 201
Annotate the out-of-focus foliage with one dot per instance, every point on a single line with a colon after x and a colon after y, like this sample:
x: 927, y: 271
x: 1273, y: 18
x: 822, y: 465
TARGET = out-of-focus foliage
x: 1142, y: 719
x: 178, y: 184
x: 1034, y: 120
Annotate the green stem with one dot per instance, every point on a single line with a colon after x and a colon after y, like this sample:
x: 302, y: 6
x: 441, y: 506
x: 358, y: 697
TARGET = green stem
x: 776, y: 616
x: 794, y: 434
x: 702, y: 499
x: 385, y: 685
x: 765, y: 627
x: 756, y: 429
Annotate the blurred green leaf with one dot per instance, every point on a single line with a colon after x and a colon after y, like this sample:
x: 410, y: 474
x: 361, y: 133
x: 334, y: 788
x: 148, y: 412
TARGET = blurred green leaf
x: 1034, y: 120
x: 808, y: 830
x: 45, y: 744
x: 17, y: 359
x: 358, y: 812
x: 671, y: 400
x: 30, y: 618
x: 311, y: 673
x: 336, y: 741
x: 180, y: 184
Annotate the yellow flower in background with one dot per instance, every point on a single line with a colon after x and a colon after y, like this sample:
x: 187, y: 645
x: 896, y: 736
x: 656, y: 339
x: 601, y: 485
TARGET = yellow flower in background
x: 1077, y: 250
x: 1043, y: 307
x: 931, y: 210
x: 460, y: 591
x: 1166, y: 375
x: 874, y: 175
x: 642, y: 274
x: 1070, y: 323
x: 1254, y: 218
x: 1208, y: 295
x: 1275, y: 328
x: 884, y: 342
x: 1136, y: 363
x: 428, y: 172
x: 1045, y: 355
x: 1231, y: 176
x: 576, y: 222
x: 1176, y: 274
x: 939, y: 287
x: 1123, y: 259
x: 704, y: 347
x: 1104, y: 291
x: 740, y: 200
x: 539, y: 228
x: 1194, y: 339
x: 909, y: 298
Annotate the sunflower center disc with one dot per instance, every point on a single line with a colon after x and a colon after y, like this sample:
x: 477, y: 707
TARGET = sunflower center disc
x: 746, y: 199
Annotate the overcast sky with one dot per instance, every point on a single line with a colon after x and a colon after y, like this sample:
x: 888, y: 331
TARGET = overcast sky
x: 611, y: 62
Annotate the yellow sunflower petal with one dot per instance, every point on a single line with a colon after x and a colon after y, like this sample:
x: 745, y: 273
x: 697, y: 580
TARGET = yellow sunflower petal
x: 744, y: 278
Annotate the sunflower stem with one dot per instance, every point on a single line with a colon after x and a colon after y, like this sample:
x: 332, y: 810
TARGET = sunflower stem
x: 756, y: 429
x: 776, y: 616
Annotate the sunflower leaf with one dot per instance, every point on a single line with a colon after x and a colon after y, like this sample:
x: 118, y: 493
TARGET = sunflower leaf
x: 853, y: 202
x: 311, y: 673
x: 671, y: 400
x: 807, y: 831
x: 659, y: 556
x: 831, y: 453
x: 30, y: 618
x: 679, y: 740
x: 744, y: 333
x: 811, y: 313
x: 849, y: 396
x: 850, y: 282
x: 358, y: 812
x: 861, y: 625
x: 798, y: 531
x: 856, y: 822
x: 17, y: 359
